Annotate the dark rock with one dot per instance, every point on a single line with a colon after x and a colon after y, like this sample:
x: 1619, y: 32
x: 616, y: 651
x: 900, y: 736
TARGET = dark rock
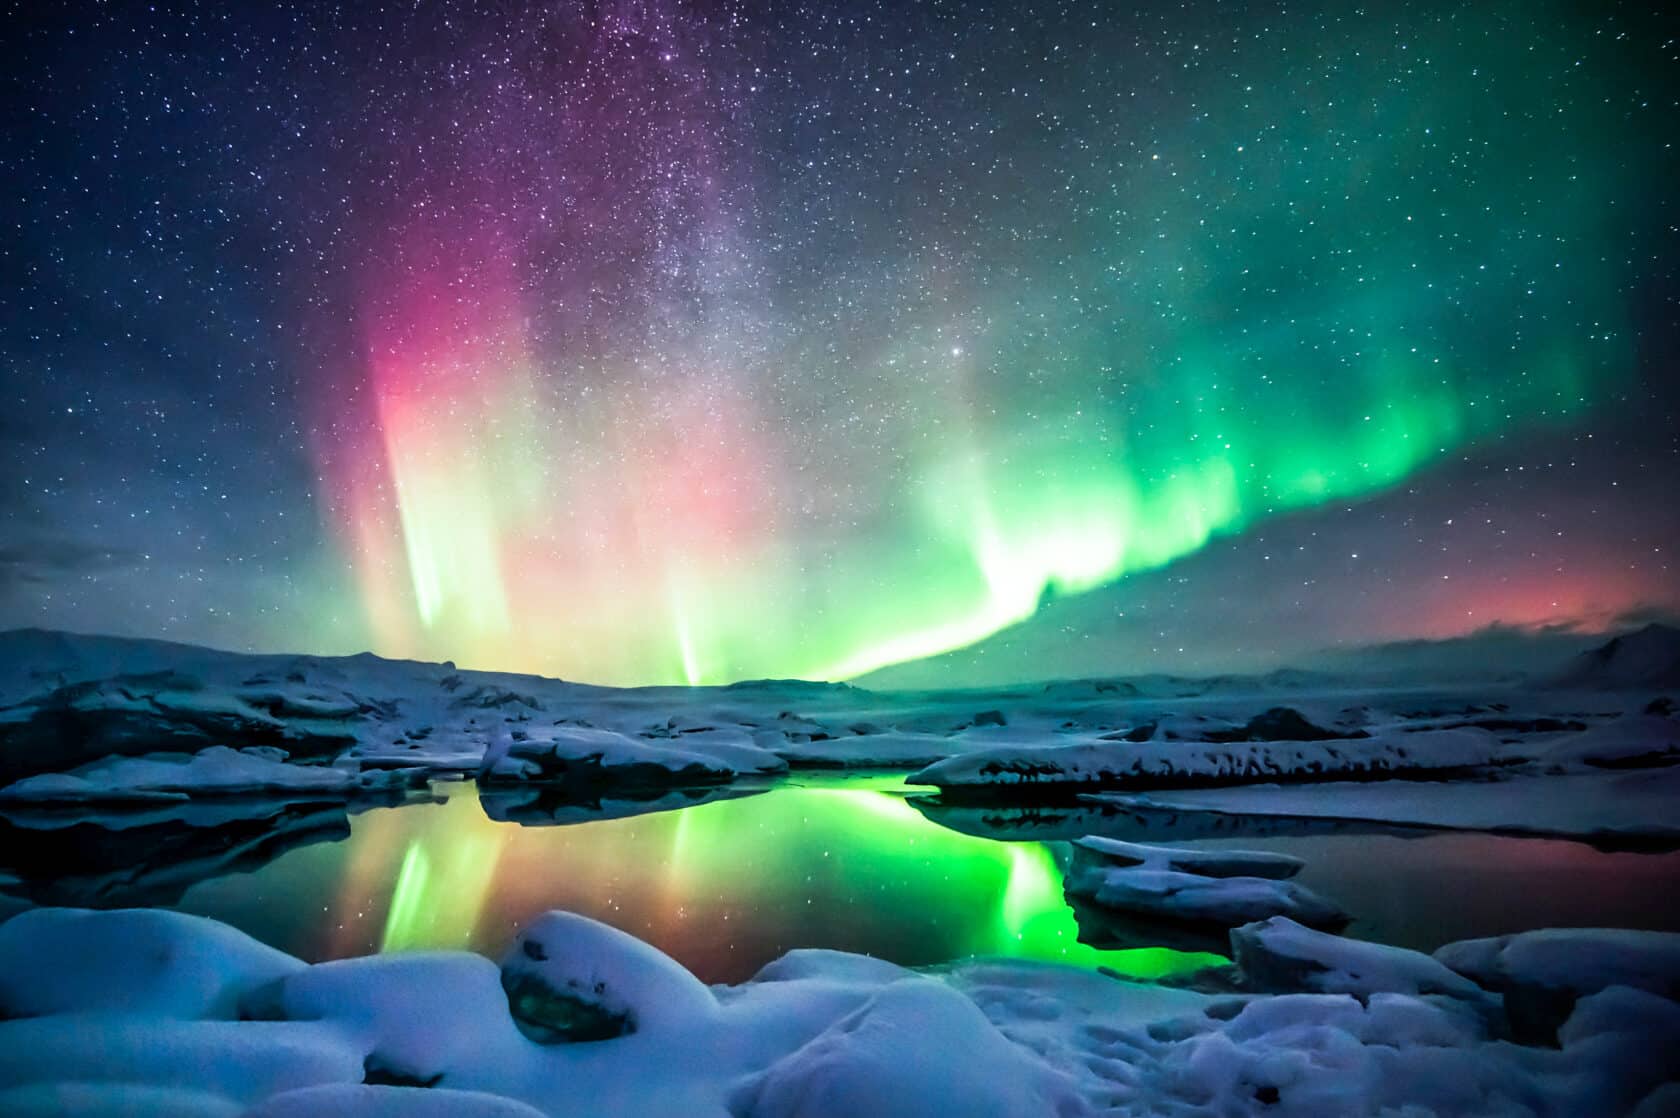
x: 1280, y: 724
x: 550, y: 1016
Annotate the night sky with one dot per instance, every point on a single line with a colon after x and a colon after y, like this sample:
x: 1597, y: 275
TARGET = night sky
x: 657, y: 342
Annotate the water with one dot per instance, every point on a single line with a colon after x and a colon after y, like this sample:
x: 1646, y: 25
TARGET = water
x: 727, y: 885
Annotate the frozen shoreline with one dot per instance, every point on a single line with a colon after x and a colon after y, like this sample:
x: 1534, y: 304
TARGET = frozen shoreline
x: 154, y: 1013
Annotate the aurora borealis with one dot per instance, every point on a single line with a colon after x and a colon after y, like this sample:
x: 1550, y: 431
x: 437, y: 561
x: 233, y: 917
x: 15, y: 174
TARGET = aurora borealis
x: 659, y: 342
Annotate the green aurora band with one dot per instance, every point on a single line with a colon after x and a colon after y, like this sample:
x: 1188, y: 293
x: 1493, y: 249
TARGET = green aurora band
x: 1302, y: 277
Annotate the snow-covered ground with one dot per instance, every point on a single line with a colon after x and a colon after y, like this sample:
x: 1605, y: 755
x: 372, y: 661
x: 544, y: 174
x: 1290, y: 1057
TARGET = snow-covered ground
x: 196, y: 722
x: 169, y: 764
x: 1620, y: 806
x: 139, y: 1012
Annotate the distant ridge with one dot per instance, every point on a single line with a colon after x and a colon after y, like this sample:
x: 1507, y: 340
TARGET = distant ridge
x: 1648, y: 657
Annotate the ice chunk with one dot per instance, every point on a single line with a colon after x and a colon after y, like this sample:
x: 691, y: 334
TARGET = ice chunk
x: 585, y: 756
x: 1224, y: 901
x: 1207, y: 863
x: 1542, y: 973
x: 1281, y: 954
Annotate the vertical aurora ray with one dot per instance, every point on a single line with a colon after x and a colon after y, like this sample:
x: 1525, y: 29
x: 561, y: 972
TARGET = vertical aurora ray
x: 633, y: 414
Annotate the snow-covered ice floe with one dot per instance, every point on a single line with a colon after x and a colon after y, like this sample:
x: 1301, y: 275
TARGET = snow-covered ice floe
x: 1221, y: 888
x: 1634, y: 808
x: 590, y: 758
x: 1103, y: 764
x: 68, y: 704
x: 139, y: 1012
x: 216, y: 771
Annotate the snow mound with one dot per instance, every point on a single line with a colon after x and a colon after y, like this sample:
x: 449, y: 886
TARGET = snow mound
x: 422, y: 1017
x: 142, y: 960
x: 1309, y: 1056
x: 917, y: 1048
x: 569, y: 978
x: 244, y: 1061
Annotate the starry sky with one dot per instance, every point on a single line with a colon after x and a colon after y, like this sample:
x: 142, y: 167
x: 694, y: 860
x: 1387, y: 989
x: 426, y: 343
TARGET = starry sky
x: 660, y: 342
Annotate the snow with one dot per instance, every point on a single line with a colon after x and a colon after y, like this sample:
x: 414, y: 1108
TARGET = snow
x: 887, y: 750
x: 359, y: 1100
x: 1207, y: 863
x: 1626, y: 806
x: 815, y: 1034
x: 152, y: 961
x: 1580, y: 960
x: 917, y: 1048
x: 1223, y: 888
x: 587, y: 755
x: 69, y: 703
x: 1281, y: 954
x: 1634, y: 741
x: 573, y: 959
x: 1191, y: 898
x: 1543, y: 974
x: 422, y: 1017
x: 216, y: 771
x: 1306, y: 1056
x: 244, y: 1061
x: 148, y: 1012
x: 1123, y: 764
x: 113, y: 1100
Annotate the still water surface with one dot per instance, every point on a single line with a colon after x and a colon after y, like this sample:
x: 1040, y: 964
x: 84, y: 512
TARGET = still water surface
x: 848, y: 862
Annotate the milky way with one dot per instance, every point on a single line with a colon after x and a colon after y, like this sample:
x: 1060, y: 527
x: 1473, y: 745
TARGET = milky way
x: 657, y: 342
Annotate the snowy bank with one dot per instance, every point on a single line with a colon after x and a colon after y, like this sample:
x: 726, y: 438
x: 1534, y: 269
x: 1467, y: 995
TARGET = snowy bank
x: 217, y: 771
x: 1093, y: 765
x: 182, y: 1016
x: 1610, y: 807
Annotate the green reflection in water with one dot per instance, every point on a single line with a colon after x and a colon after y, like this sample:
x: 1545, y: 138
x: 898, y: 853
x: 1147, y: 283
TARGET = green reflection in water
x: 727, y: 885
